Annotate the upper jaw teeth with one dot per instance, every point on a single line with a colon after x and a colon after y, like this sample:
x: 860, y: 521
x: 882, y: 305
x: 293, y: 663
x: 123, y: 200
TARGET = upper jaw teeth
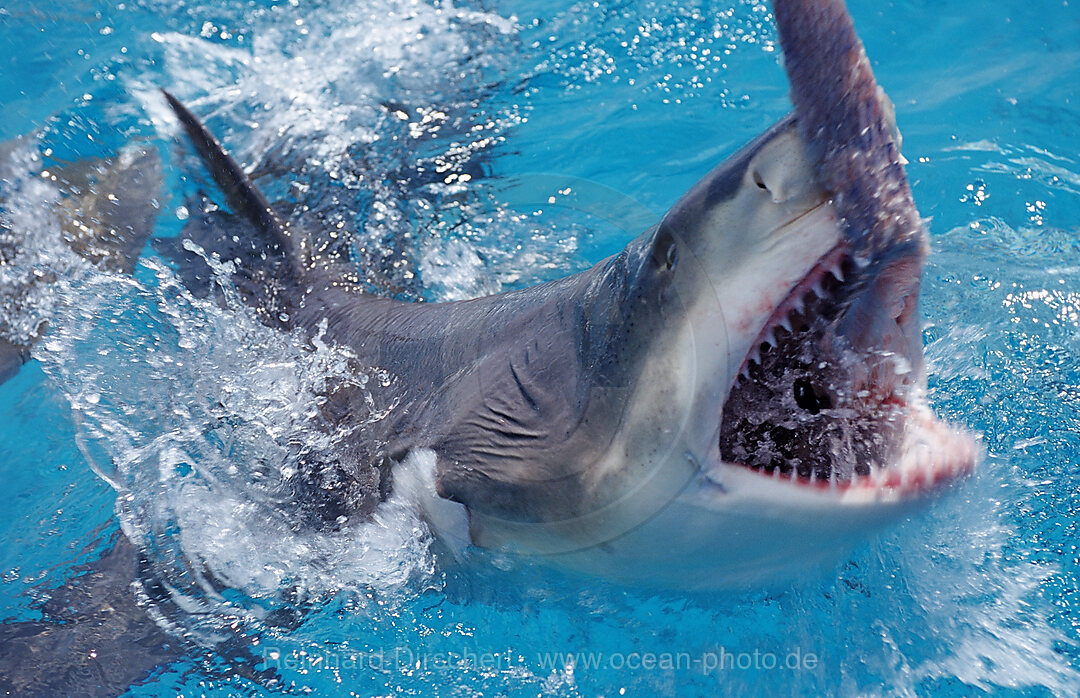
x: 864, y: 408
x: 801, y: 399
x: 788, y: 315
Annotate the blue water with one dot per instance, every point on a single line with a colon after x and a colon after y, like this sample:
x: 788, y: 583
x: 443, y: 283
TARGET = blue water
x: 576, y: 123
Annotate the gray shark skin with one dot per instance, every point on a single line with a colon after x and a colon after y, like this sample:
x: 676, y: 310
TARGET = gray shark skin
x: 753, y: 363
x: 93, y: 640
x: 753, y: 359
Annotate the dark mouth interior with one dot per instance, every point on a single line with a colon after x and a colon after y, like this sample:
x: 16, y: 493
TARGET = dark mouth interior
x: 813, y: 407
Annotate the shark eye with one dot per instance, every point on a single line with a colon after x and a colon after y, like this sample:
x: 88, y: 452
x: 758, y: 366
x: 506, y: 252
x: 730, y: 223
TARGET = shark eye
x: 671, y: 256
x: 760, y: 182
x: 665, y: 252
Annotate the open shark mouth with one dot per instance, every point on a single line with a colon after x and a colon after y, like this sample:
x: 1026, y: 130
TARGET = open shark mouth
x: 812, y: 406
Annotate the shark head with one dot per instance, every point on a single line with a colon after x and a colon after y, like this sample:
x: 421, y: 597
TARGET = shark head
x: 777, y: 414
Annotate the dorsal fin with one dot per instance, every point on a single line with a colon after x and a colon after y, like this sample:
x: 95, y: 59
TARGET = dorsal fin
x: 240, y: 193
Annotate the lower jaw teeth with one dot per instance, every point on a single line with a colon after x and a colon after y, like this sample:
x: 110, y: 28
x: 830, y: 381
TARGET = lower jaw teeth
x: 817, y: 474
x: 800, y: 410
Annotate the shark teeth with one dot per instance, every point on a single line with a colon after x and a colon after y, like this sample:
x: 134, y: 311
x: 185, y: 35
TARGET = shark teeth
x: 788, y: 315
x: 944, y: 457
x: 799, y: 409
x: 934, y: 456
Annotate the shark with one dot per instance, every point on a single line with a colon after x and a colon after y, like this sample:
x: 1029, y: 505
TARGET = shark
x: 751, y: 363
x: 736, y: 397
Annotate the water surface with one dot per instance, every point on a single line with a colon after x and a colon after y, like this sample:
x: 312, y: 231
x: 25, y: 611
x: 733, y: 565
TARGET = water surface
x: 461, y: 149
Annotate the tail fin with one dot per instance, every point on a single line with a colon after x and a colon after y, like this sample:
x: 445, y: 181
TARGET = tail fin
x: 105, y: 209
x: 91, y: 626
x: 240, y: 194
